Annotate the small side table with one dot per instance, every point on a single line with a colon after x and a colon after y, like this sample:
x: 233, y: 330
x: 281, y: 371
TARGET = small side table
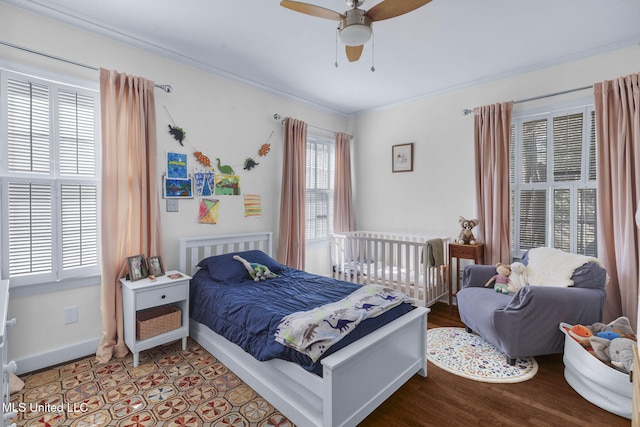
x: 458, y: 251
x: 172, y: 288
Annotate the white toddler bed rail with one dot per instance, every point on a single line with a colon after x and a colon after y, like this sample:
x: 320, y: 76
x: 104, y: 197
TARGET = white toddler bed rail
x: 411, y: 263
x: 355, y: 380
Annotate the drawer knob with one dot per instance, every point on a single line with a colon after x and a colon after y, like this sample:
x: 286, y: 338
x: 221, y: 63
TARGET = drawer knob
x: 164, y: 296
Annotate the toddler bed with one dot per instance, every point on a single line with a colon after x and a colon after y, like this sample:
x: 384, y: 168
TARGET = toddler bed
x: 411, y: 263
x: 352, y: 380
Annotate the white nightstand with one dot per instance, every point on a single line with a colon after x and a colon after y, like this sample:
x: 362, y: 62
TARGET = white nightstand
x: 143, y: 294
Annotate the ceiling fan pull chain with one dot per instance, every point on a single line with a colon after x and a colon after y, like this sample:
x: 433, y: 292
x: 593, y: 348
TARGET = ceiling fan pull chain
x: 373, y: 51
x: 336, y: 63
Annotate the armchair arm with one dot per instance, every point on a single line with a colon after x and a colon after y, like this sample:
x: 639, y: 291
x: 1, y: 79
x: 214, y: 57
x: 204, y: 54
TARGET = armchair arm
x: 476, y: 275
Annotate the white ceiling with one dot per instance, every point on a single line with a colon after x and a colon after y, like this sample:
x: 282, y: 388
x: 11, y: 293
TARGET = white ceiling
x: 442, y: 46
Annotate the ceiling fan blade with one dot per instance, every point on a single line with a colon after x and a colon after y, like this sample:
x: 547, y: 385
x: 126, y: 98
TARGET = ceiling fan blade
x: 392, y: 8
x: 312, y: 10
x: 353, y: 52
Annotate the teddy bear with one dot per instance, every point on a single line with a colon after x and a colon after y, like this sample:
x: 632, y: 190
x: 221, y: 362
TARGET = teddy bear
x: 466, y: 236
x: 618, y: 351
x: 256, y: 271
x: 518, y: 276
x: 501, y: 279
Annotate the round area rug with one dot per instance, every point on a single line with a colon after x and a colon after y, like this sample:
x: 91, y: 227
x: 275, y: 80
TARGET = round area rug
x: 470, y: 356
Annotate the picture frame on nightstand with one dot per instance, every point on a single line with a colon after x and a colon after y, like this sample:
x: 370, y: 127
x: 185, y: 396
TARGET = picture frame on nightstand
x: 154, y: 264
x: 137, y: 267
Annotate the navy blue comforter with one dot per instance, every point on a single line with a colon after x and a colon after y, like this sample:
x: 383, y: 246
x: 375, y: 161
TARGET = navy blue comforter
x: 246, y: 312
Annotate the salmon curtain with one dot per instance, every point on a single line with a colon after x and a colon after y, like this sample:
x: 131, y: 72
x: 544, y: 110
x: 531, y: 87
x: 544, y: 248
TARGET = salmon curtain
x: 291, y: 232
x: 617, y: 108
x: 343, y: 217
x: 492, y: 125
x: 130, y: 216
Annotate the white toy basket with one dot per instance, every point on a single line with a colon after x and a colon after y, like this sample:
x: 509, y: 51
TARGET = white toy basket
x: 597, y: 382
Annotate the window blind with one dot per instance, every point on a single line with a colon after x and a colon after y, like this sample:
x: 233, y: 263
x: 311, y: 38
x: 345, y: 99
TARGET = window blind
x: 553, y: 181
x: 50, y: 180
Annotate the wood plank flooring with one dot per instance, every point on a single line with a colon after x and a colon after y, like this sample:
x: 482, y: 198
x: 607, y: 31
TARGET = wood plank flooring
x: 444, y: 399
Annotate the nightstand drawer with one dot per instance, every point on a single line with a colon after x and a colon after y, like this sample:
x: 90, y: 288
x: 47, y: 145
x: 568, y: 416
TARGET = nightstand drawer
x: 155, y: 297
x: 463, y: 251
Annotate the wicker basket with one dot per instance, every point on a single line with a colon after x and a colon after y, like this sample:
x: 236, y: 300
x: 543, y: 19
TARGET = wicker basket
x: 157, y: 320
x: 600, y: 384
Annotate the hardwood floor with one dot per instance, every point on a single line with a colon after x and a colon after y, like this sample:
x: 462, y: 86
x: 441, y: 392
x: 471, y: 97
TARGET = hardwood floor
x: 443, y: 399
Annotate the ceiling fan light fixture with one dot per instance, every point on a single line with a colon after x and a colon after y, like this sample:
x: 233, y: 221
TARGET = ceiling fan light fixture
x: 355, y: 34
x: 355, y: 28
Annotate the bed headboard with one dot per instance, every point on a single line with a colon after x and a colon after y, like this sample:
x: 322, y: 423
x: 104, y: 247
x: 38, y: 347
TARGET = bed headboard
x: 193, y: 249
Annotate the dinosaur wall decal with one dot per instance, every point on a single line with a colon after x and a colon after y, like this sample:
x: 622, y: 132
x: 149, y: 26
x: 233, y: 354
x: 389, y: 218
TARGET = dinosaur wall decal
x: 225, y: 169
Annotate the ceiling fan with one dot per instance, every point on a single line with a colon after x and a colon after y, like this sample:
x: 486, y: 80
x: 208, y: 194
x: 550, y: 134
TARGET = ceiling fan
x: 355, y: 24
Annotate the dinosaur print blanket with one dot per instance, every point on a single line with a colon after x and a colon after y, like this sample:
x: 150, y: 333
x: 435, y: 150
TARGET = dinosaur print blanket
x: 313, y: 332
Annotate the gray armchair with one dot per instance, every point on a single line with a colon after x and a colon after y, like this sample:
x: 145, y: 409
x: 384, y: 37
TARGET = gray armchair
x: 526, y: 323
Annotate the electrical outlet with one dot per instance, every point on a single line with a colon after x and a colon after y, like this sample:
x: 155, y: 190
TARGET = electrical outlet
x: 70, y: 314
x: 172, y: 205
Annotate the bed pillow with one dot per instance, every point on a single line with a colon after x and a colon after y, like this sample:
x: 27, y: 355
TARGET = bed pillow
x: 224, y: 268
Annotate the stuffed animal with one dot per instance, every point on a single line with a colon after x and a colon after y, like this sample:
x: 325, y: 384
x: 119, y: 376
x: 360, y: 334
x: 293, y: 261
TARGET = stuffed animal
x: 501, y: 279
x: 466, y: 236
x: 581, y: 334
x: 519, y: 276
x: 619, y: 328
x: 256, y: 271
x: 618, y: 351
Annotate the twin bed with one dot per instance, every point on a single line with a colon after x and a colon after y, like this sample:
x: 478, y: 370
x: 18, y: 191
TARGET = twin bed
x: 348, y: 381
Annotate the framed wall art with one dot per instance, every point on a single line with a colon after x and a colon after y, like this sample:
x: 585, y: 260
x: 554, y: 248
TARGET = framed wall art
x: 402, y: 157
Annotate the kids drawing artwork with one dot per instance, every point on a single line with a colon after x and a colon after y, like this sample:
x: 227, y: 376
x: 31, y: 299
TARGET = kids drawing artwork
x: 252, y: 205
x: 178, y: 188
x: 205, y: 183
x: 227, y: 185
x: 177, y: 165
x: 208, y: 213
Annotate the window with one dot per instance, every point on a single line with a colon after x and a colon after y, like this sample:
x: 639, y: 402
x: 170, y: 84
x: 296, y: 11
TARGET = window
x: 553, y: 181
x: 319, y: 188
x: 48, y: 180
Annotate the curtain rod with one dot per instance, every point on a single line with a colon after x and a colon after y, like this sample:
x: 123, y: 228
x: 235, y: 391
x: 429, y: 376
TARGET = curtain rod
x: 166, y: 88
x: 467, y: 111
x: 277, y: 116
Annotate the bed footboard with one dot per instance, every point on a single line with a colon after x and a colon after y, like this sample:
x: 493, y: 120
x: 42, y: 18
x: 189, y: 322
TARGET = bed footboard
x: 401, y: 261
x: 355, y: 381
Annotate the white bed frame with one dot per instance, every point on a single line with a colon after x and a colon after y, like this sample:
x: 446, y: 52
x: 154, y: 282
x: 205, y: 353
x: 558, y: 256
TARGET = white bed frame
x: 356, y: 379
x: 393, y: 259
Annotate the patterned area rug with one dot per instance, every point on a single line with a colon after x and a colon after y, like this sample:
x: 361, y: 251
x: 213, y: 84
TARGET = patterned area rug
x: 170, y: 387
x: 470, y: 356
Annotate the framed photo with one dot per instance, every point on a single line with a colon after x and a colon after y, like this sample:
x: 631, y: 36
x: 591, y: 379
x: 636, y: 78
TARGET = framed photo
x: 154, y: 264
x: 402, y: 157
x: 137, y: 267
x: 178, y: 188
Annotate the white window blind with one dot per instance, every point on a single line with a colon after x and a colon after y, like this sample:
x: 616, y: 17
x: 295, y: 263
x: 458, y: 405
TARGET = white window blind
x: 49, y: 180
x: 553, y: 181
x: 320, y: 166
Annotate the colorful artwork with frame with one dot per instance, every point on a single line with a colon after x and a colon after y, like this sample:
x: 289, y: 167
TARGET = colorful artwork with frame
x: 402, y: 157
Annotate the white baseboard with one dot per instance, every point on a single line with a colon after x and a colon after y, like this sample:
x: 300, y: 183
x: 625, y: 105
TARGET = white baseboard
x: 57, y: 356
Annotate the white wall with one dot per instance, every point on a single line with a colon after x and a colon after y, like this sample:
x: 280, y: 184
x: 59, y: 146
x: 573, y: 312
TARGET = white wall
x: 442, y: 186
x: 222, y: 118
